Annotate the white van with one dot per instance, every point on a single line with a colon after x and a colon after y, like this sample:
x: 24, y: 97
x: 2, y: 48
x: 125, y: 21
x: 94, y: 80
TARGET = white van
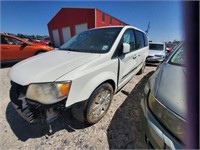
x: 90, y: 67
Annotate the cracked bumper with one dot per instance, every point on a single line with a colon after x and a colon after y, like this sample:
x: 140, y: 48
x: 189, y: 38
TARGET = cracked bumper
x: 33, y: 111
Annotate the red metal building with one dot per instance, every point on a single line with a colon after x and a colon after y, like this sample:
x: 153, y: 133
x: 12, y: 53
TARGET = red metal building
x: 70, y: 21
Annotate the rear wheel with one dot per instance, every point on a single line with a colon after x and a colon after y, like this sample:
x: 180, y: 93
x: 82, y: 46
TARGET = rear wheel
x: 98, y: 103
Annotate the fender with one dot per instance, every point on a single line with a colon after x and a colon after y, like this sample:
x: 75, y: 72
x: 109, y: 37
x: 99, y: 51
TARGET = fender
x: 82, y: 92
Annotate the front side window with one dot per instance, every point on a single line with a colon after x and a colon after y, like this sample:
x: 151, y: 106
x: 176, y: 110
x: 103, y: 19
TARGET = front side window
x: 92, y: 41
x: 139, y: 39
x: 158, y: 47
x: 129, y: 38
x: 10, y: 41
x: 3, y: 41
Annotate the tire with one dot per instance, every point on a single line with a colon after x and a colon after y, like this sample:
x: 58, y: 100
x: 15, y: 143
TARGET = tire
x: 142, y: 69
x: 98, y: 103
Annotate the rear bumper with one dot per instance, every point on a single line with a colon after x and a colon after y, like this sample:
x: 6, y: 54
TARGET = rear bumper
x: 33, y: 111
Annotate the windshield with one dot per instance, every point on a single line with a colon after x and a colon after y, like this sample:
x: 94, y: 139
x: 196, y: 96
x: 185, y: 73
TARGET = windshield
x: 156, y: 47
x: 178, y: 57
x: 92, y: 41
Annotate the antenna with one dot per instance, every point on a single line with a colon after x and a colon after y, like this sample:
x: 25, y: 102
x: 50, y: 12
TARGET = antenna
x: 148, y: 27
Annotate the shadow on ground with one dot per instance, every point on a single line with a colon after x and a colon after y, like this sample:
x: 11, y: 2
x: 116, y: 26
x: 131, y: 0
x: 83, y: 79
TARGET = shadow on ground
x: 8, y: 65
x: 124, y: 130
x: 24, y: 130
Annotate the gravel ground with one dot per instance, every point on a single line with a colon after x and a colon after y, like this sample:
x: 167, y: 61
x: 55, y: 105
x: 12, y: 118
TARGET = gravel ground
x: 119, y: 129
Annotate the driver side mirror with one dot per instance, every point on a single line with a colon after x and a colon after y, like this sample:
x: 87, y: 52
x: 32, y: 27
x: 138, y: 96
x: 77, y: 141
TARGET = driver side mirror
x: 126, y: 48
x: 23, y: 44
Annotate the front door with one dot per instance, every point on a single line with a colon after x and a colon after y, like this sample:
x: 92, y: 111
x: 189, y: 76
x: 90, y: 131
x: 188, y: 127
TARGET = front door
x: 128, y: 62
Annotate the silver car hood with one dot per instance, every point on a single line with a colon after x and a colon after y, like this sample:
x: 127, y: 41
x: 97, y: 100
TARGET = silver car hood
x: 171, y: 89
x: 48, y: 67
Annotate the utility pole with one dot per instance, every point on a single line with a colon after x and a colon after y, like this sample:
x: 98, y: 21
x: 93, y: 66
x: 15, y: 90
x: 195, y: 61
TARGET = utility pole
x: 148, y: 27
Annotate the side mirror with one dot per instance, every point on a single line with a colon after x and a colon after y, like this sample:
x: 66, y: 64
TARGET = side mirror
x: 126, y: 48
x: 23, y: 44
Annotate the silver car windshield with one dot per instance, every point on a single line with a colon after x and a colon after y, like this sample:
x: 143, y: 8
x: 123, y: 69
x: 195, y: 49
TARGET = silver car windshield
x: 158, y: 47
x: 93, y: 41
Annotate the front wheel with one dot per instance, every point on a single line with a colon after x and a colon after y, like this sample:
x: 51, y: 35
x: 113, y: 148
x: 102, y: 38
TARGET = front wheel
x: 98, y: 103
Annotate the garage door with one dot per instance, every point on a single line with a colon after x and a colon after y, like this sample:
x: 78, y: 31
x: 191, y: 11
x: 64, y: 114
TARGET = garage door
x: 56, y: 38
x: 66, y: 33
x: 80, y: 28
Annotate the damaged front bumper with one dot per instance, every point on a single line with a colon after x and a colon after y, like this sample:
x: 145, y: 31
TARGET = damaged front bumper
x: 154, y: 59
x: 33, y: 111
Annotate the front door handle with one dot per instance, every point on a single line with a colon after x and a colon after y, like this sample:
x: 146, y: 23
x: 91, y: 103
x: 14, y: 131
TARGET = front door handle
x: 134, y: 57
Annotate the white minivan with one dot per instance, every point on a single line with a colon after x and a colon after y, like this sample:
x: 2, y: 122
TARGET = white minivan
x: 90, y: 68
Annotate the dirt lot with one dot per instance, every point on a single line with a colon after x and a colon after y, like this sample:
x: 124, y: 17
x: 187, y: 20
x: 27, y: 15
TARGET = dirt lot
x: 119, y: 129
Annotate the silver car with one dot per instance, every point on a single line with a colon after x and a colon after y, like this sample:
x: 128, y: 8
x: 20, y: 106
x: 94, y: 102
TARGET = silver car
x: 156, y: 53
x: 163, y: 108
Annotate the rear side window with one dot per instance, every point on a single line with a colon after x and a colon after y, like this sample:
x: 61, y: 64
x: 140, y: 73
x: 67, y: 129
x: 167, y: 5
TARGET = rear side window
x: 139, y: 39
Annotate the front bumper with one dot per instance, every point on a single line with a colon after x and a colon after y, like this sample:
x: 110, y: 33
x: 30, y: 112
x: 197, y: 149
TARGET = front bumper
x: 33, y: 111
x: 155, y: 134
x: 154, y: 59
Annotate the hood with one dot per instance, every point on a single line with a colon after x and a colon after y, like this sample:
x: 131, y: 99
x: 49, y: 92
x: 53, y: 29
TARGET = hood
x: 48, y: 67
x: 155, y: 52
x: 171, y: 89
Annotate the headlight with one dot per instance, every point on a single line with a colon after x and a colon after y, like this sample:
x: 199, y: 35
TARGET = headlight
x: 170, y: 120
x: 48, y: 93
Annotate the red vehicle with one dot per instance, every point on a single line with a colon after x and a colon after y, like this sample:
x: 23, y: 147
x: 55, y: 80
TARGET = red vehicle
x: 15, y: 49
x: 170, y: 46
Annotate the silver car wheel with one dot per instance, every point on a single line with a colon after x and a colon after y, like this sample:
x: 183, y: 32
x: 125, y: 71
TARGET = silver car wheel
x: 101, y: 104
